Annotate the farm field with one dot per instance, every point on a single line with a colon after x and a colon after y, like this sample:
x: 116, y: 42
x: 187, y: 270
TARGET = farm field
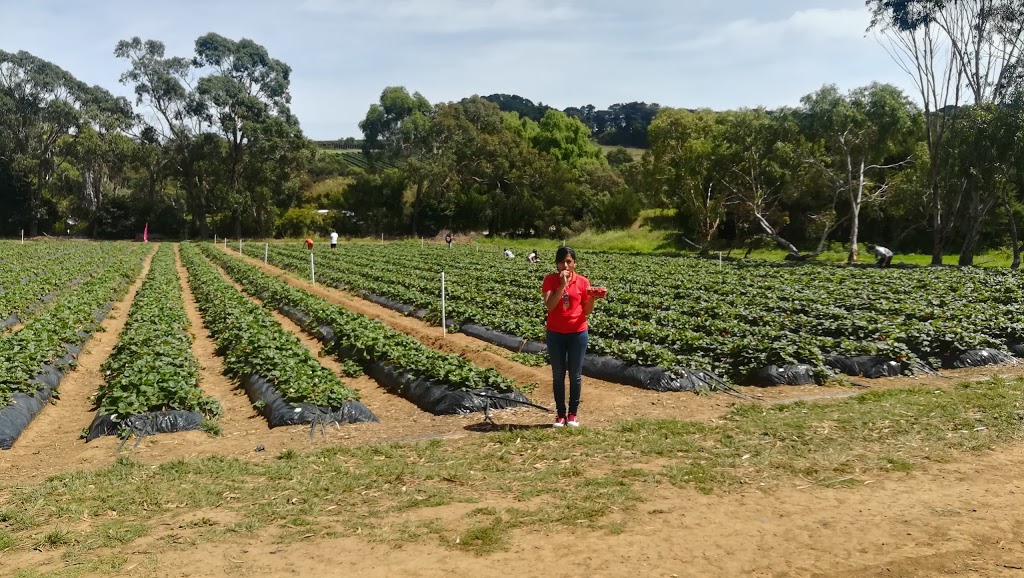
x: 802, y: 480
x: 684, y: 313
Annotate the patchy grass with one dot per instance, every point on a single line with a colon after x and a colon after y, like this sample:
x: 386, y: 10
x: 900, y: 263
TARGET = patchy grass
x: 541, y: 478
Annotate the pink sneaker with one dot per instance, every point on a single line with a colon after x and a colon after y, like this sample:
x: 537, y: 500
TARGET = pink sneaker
x: 559, y: 422
x: 573, y: 421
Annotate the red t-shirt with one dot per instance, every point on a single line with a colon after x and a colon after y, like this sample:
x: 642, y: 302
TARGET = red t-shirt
x: 569, y: 319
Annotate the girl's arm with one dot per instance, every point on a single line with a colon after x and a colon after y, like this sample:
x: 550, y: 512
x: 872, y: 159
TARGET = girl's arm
x: 552, y: 299
x: 588, y: 304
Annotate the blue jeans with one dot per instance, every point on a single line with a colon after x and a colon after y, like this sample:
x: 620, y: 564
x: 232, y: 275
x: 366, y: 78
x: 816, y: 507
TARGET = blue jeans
x: 566, y: 351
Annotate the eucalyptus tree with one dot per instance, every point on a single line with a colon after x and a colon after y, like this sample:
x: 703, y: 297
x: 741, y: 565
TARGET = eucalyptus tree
x: 397, y: 130
x: 861, y: 134
x: 42, y: 105
x: 165, y: 87
x: 762, y: 159
x: 955, y: 50
x: 688, y: 161
x: 245, y: 96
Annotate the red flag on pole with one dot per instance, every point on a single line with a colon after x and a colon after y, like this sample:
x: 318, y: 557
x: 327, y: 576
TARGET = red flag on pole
x: 145, y: 233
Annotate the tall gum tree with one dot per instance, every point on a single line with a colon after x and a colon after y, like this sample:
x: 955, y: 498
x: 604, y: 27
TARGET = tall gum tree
x: 955, y: 49
x: 245, y: 96
x: 860, y: 132
x: 44, y: 104
x: 172, y: 119
x: 687, y: 156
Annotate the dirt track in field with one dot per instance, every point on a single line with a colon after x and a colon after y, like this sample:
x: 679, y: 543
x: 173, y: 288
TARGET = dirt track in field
x: 947, y: 519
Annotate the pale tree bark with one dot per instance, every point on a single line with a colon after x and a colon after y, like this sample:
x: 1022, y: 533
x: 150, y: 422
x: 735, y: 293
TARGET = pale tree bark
x: 1014, y: 241
x: 932, y: 67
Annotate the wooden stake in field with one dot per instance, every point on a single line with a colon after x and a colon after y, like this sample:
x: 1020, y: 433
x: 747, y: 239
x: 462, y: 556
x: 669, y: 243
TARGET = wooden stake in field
x: 312, y: 269
x: 444, y: 326
x: 23, y: 236
x: 266, y: 249
x: 215, y: 238
x: 239, y: 246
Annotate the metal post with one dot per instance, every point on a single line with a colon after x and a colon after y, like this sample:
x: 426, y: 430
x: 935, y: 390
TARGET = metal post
x: 312, y: 269
x: 444, y: 326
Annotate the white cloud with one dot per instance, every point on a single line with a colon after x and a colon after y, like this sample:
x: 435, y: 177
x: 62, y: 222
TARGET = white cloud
x: 449, y: 16
x: 817, y: 24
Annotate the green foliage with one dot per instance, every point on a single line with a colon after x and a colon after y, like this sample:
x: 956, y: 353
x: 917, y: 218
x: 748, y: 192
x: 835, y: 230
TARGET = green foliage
x: 253, y: 343
x: 44, y: 337
x: 300, y: 222
x: 690, y: 313
x: 360, y: 339
x: 152, y: 367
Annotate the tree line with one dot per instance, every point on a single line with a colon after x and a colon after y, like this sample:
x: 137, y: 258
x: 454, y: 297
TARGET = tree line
x: 210, y: 145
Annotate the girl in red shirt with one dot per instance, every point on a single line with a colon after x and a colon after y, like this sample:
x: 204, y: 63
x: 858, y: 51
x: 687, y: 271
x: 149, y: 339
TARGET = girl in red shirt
x: 569, y: 299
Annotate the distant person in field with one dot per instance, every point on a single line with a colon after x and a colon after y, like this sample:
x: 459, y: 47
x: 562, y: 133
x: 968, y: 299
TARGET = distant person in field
x: 509, y: 254
x: 884, y: 255
x: 569, y: 298
x: 448, y: 239
x: 309, y: 243
x: 334, y: 239
x: 532, y: 257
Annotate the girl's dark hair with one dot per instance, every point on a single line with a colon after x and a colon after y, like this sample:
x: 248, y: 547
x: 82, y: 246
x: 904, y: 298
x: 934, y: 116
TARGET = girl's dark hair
x: 562, y: 252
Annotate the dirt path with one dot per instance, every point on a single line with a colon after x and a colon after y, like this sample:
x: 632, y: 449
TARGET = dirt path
x: 56, y: 431
x: 950, y: 519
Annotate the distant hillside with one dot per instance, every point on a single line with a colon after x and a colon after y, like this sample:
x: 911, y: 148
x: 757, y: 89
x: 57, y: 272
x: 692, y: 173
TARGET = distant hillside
x: 623, y: 124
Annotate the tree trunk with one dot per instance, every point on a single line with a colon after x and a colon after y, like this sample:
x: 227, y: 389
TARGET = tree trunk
x: 938, y: 238
x: 855, y: 202
x: 1014, y: 241
x: 416, y: 202
x: 782, y: 243
x: 976, y: 218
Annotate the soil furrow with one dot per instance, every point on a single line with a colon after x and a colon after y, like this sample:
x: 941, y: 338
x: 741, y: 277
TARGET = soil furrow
x: 53, y: 439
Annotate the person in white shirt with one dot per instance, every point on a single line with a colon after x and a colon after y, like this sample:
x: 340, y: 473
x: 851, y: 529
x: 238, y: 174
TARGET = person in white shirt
x: 532, y: 257
x: 509, y: 254
x: 334, y: 239
x: 884, y: 255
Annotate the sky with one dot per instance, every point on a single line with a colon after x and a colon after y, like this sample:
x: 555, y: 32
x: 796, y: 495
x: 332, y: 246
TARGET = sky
x: 720, y: 54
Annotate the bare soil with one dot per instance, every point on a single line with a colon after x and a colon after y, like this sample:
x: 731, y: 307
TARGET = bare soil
x: 947, y: 519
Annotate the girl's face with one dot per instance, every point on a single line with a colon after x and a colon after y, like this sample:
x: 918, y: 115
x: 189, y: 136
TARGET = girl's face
x: 567, y: 263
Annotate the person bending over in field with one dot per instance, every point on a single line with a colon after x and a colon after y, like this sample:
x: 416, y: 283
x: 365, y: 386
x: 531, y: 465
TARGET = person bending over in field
x: 569, y: 298
x: 509, y: 254
x: 532, y: 257
x: 884, y: 255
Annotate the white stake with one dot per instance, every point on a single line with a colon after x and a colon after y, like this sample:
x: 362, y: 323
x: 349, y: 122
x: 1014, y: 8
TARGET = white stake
x: 215, y: 238
x: 225, y: 243
x: 312, y: 269
x: 719, y: 259
x: 266, y: 249
x: 23, y: 236
x: 382, y: 238
x: 239, y: 246
x: 444, y: 327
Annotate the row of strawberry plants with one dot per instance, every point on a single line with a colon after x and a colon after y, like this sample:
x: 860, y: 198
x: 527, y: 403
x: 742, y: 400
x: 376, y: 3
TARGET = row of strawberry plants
x: 254, y: 344
x: 68, y: 321
x: 32, y: 275
x: 152, y: 368
x: 368, y: 340
x: 691, y: 313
